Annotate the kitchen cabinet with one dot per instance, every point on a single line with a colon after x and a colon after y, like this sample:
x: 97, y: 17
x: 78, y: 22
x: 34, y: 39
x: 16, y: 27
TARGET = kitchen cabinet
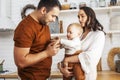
x: 6, y: 24
x: 98, y: 10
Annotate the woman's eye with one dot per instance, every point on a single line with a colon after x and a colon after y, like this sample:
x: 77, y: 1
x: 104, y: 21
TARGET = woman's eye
x: 82, y: 16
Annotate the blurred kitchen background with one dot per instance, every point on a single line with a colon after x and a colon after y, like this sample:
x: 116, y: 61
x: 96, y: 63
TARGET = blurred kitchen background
x: 107, y: 11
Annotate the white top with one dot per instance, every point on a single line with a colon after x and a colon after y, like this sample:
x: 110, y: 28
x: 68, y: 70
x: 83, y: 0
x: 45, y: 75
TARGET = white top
x: 71, y: 46
x: 92, y: 47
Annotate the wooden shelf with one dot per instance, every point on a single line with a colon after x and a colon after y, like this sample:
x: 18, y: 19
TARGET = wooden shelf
x: 98, y: 9
x: 113, y: 32
x: 6, y: 29
x: 64, y: 34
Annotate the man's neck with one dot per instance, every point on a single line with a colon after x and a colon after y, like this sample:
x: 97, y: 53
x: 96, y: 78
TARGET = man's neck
x: 34, y: 16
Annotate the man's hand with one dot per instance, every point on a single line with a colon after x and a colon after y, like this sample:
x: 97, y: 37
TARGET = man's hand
x: 56, y: 39
x: 53, y: 48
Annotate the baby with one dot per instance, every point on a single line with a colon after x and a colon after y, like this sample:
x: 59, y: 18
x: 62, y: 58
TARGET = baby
x: 72, y: 47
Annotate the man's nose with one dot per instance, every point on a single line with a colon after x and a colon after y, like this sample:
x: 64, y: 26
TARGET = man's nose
x: 54, y: 19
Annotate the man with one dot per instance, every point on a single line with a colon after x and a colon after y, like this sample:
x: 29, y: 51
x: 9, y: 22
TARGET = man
x: 33, y: 50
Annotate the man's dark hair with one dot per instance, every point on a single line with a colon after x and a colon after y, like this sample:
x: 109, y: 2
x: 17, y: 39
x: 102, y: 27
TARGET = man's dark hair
x: 49, y: 4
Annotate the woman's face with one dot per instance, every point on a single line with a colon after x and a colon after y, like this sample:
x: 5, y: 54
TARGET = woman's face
x: 82, y: 17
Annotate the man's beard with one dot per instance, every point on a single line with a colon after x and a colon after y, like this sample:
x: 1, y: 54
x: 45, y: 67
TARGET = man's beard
x: 42, y: 22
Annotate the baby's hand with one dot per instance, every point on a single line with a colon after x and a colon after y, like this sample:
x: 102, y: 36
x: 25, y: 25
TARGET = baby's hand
x: 56, y: 40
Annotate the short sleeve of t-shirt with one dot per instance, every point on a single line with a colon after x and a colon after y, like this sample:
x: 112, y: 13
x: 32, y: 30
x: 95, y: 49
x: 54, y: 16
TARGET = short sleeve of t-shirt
x: 23, y: 35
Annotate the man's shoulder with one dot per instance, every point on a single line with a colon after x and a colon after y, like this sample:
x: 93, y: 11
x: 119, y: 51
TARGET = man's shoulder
x: 27, y: 21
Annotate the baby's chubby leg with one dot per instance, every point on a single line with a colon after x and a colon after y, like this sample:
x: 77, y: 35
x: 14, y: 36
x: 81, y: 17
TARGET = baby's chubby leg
x: 78, y: 72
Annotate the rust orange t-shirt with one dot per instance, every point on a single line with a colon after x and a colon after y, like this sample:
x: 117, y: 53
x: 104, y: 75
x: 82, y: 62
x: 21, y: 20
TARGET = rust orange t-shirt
x: 30, y: 34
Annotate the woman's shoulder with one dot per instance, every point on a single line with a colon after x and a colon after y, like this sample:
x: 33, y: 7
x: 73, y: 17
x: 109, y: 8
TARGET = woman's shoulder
x: 98, y: 32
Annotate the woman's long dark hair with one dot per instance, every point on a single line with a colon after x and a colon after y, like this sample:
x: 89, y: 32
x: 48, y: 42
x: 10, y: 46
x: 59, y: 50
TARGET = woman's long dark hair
x: 92, y: 22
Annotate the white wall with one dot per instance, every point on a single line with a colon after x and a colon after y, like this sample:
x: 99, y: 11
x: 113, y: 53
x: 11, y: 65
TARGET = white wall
x: 6, y: 50
x: 6, y: 38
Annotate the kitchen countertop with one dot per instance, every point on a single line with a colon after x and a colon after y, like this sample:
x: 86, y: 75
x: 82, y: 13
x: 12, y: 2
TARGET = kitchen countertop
x: 57, y: 74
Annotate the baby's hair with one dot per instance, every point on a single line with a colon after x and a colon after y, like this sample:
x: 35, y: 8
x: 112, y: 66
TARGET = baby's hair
x: 76, y: 25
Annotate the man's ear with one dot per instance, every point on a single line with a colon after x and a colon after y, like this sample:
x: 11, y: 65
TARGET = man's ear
x: 43, y: 10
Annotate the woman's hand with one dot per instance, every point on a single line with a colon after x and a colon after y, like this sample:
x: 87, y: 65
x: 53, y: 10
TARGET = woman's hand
x: 65, y: 70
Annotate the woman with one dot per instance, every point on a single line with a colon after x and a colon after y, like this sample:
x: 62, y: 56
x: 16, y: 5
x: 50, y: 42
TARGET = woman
x: 93, y: 39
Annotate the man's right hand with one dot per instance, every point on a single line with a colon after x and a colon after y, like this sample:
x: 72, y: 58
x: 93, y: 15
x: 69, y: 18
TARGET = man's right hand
x: 53, y: 48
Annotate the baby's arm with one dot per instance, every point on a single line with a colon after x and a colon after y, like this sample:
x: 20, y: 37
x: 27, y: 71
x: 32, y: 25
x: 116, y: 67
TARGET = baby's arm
x: 69, y: 43
x: 58, y: 39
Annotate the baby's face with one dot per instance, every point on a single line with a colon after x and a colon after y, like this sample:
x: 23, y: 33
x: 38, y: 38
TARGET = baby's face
x: 72, y: 32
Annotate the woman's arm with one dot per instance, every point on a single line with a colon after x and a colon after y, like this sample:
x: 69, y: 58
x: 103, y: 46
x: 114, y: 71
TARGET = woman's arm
x: 71, y: 59
x: 93, y: 47
x: 65, y: 69
x: 63, y: 66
